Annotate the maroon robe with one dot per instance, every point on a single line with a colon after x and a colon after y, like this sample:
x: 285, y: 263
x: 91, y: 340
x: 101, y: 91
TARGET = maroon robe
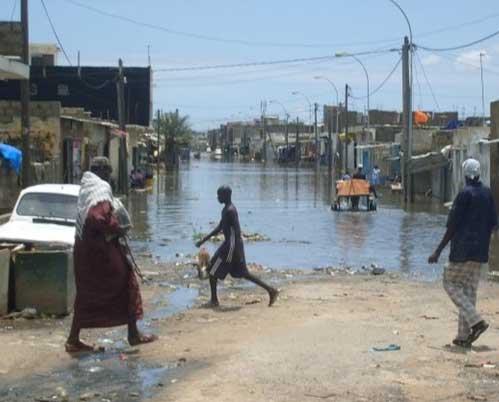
x: 107, y: 290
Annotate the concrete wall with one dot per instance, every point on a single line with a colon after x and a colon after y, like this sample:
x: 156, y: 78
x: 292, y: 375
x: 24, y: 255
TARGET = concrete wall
x: 466, y: 144
x: 10, y: 188
x: 45, y: 128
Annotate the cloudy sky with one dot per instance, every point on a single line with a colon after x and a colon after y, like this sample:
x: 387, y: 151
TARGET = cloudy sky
x: 201, y: 33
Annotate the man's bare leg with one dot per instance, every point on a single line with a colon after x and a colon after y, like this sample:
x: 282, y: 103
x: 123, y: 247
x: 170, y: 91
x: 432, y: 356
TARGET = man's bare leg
x: 213, y: 288
x: 273, y: 292
x: 135, y: 337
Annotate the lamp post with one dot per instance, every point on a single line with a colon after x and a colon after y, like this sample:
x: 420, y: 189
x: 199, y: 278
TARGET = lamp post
x: 309, y: 104
x: 320, y: 77
x: 407, y: 80
x: 345, y: 54
x: 330, y: 151
x: 286, y: 114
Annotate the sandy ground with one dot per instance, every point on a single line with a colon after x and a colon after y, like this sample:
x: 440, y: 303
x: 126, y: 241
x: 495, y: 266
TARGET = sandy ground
x: 314, y: 345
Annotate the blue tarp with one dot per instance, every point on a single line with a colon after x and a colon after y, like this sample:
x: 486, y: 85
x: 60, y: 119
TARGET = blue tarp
x: 454, y: 125
x: 13, y: 156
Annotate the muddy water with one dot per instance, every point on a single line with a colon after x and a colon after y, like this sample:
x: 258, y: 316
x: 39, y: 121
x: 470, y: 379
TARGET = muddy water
x: 292, y: 208
x: 118, y: 374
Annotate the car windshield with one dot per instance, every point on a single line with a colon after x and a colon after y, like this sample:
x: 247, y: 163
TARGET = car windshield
x: 48, y: 205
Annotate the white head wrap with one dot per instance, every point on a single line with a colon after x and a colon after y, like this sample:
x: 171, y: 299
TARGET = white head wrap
x: 471, y: 168
x: 92, y: 191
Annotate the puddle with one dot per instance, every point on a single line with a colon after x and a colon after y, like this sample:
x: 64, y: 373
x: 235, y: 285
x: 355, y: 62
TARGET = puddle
x: 179, y: 300
x: 99, y: 378
x: 116, y: 375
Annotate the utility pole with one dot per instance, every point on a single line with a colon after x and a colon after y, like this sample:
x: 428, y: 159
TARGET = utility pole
x: 346, y: 126
x: 264, y: 133
x: 407, y: 106
x: 483, y: 88
x: 158, y: 122
x: 123, y: 161
x: 25, y: 99
x: 287, y: 133
x: 329, y: 146
x: 297, y: 143
x: 317, y: 144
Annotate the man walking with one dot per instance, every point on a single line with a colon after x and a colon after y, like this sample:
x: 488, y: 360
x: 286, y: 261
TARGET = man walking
x: 229, y: 258
x: 469, y: 226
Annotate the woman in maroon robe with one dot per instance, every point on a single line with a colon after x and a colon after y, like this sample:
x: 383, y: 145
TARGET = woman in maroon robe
x: 107, y: 290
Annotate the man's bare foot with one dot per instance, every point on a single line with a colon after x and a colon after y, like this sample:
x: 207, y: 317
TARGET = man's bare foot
x: 211, y: 304
x: 140, y: 339
x: 273, y: 295
x: 78, y: 347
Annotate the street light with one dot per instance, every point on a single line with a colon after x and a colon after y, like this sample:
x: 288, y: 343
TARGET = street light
x: 309, y: 104
x: 345, y: 54
x: 287, y: 118
x: 320, y: 77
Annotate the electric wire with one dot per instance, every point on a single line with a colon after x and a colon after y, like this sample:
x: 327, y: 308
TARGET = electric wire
x: 418, y: 83
x: 464, y: 46
x: 383, y: 83
x: 212, y: 37
x: 264, y: 44
x: 55, y: 32
x: 427, y: 81
x: 14, y: 7
x: 270, y: 62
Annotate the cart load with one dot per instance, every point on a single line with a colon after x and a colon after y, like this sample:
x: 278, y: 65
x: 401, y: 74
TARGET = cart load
x: 345, y: 189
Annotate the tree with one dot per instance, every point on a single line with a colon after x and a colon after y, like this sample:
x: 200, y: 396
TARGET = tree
x: 177, y: 132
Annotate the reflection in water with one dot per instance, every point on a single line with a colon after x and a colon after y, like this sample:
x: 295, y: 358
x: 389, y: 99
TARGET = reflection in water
x: 292, y: 208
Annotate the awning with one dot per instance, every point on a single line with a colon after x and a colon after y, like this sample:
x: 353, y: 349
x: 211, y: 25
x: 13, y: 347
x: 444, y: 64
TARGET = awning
x: 13, y: 70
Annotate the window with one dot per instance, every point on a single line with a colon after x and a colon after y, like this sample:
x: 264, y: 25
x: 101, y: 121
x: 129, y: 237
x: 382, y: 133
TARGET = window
x: 48, y: 205
x: 62, y: 90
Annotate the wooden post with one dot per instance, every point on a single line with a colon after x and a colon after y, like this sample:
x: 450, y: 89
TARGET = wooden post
x: 25, y: 100
x: 123, y: 160
x: 297, y: 143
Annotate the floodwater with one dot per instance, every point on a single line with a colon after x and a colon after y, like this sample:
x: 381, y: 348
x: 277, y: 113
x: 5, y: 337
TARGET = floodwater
x: 292, y: 208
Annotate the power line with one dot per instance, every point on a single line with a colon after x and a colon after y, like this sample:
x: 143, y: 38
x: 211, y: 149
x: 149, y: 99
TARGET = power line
x: 212, y: 37
x: 380, y: 86
x: 55, y: 33
x: 420, y: 92
x: 448, y: 49
x: 266, y: 63
x: 262, y: 43
x: 427, y: 81
x: 13, y: 10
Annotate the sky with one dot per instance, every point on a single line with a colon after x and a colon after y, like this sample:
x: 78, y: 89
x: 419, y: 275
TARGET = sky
x: 193, y: 33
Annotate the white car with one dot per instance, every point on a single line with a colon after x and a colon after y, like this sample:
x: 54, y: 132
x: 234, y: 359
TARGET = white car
x: 44, y: 214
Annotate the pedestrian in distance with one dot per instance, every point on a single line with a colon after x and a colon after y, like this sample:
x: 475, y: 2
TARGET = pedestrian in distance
x: 230, y: 258
x: 470, y: 223
x: 107, y: 289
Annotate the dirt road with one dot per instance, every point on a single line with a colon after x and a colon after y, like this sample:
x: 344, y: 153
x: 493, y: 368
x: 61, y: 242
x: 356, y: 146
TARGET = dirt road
x: 315, y: 344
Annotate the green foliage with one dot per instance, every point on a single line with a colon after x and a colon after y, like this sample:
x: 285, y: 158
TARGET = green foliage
x: 175, y: 127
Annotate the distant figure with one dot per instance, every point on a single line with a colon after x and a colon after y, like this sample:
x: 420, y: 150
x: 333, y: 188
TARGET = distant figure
x: 137, y: 179
x: 346, y: 176
x: 375, y: 176
x: 359, y: 174
x: 469, y: 226
x: 107, y: 290
x: 229, y: 258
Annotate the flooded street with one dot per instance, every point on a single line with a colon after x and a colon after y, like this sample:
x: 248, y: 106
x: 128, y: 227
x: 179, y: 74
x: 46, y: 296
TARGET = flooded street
x: 292, y: 208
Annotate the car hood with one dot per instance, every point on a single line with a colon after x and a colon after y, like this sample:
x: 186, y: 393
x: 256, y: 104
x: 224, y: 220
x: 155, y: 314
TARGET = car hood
x: 29, y: 232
